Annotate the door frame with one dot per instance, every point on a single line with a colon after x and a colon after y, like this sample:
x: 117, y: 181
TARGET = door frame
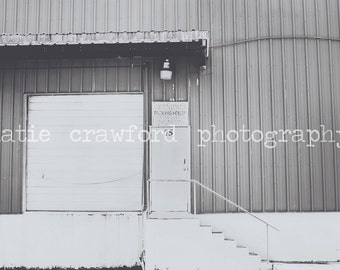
x: 149, y: 182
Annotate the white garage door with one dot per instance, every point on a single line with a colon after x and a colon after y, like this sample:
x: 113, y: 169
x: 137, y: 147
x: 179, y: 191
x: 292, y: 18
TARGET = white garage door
x: 93, y: 160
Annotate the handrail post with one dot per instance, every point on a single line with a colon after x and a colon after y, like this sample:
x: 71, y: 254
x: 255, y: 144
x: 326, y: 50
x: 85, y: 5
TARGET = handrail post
x: 148, y: 196
x: 267, y: 232
x: 195, y: 210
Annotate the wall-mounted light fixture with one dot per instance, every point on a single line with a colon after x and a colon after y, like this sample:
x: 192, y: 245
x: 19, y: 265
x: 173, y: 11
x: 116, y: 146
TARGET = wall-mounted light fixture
x: 166, y: 73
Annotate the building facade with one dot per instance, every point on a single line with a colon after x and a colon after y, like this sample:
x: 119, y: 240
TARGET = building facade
x: 272, y: 65
x: 267, y: 66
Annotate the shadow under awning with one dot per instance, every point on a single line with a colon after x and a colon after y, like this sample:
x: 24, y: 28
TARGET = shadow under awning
x: 109, y: 44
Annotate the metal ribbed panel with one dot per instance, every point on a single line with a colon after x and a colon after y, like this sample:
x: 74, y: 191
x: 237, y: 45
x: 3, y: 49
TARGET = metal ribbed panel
x: 272, y: 85
x: 6, y: 149
x: 65, y: 176
x: 264, y: 84
x: 78, y: 16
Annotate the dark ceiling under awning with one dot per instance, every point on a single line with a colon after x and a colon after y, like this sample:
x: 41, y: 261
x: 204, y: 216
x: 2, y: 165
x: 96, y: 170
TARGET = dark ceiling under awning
x: 111, y: 44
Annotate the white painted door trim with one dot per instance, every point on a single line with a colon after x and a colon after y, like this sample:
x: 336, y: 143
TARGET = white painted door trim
x: 172, y: 183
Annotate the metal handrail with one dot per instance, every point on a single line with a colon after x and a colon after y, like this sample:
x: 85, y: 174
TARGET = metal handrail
x: 218, y: 195
x: 232, y: 203
x: 195, y: 182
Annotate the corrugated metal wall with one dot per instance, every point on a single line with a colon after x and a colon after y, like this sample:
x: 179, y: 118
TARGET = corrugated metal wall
x: 271, y: 84
x: 69, y: 76
x: 268, y: 83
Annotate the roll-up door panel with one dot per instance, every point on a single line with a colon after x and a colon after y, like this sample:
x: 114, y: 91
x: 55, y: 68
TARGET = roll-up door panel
x: 93, y: 160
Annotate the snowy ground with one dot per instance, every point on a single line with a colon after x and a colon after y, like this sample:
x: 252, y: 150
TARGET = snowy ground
x: 301, y: 236
x: 306, y: 266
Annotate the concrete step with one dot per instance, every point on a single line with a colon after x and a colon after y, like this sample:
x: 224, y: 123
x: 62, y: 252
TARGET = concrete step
x: 266, y: 265
x: 177, y: 244
x: 205, y: 230
x: 255, y: 260
x: 218, y: 236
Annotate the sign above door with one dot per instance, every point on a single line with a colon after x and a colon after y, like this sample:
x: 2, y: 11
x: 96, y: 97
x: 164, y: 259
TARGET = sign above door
x: 170, y: 113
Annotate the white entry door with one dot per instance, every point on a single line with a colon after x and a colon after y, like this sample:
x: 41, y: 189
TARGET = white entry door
x: 90, y: 163
x: 170, y: 167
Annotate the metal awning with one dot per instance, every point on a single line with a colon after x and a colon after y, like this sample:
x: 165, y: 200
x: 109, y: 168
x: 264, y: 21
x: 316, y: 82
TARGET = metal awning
x: 149, y: 43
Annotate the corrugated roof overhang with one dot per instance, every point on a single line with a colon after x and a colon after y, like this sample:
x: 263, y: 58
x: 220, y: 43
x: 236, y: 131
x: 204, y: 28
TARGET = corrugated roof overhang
x: 112, y: 44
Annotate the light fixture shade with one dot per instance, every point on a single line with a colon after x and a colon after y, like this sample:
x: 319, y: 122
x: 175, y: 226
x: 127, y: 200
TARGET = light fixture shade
x: 166, y: 73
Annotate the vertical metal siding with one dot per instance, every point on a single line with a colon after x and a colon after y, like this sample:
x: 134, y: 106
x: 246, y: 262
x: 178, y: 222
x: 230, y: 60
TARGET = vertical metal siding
x: 264, y: 84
